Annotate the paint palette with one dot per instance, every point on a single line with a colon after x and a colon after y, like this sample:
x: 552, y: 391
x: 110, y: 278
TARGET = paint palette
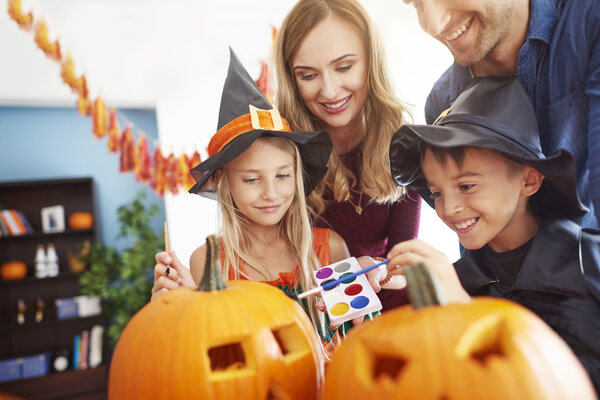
x: 350, y: 299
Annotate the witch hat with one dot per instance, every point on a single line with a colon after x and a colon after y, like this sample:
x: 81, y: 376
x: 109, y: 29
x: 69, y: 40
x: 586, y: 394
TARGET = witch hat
x: 491, y: 113
x: 244, y: 116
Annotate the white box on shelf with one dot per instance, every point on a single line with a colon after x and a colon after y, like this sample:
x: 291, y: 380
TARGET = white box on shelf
x: 88, y: 305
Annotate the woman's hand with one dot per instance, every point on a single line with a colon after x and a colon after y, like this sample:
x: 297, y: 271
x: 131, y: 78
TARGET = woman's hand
x: 416, y: 251
x: 169, y: 274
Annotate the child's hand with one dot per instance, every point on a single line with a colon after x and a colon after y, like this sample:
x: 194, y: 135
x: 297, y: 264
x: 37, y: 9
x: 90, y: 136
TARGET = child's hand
x: 169, y: 274
x: 416, y: 251
x: 375, y: 275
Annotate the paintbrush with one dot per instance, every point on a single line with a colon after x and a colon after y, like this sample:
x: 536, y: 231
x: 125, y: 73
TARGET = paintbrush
x: 346, y: 278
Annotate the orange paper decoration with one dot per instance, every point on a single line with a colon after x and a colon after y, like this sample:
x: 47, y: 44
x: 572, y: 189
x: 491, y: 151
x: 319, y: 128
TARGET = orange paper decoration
x: 127, y: 151
x: 114, y: 132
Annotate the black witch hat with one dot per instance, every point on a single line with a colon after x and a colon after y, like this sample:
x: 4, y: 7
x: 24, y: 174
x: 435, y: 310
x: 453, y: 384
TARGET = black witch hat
x: 246, y: 115
x: 491, y: 113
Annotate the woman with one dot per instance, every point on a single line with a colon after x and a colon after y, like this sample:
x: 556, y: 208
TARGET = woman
x: 331, y: 75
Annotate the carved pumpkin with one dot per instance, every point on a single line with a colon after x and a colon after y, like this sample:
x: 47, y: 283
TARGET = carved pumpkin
x: 12, y: 270
x: 81, y: 220
x: 486, y: 349
x: 247, y: 340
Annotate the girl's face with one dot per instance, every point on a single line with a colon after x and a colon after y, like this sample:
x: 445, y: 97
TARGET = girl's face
x: 331, y: 73
x: 262, y: 183
x: 483, y: 200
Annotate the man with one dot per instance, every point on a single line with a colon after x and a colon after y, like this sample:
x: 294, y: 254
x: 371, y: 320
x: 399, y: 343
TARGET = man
x: 552, y: 46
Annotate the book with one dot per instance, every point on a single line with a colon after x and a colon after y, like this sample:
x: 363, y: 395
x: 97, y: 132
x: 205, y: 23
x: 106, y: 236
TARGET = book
x: 83, y: 358
x: 15, y: 216
x: 95, y: 357
x: 9, y: 227
x: 76, y: 352
x: 25, y: 222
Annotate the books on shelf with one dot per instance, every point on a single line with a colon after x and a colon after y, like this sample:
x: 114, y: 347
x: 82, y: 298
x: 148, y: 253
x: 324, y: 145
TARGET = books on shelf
x: 14, y: 223
x: 87, y: 348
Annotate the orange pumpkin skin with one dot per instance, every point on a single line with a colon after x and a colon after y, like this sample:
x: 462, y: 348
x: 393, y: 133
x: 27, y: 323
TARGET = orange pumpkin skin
x: 12, y: 270
x: 81, y: 220
x: 487, y: 349
x: 170, y: 349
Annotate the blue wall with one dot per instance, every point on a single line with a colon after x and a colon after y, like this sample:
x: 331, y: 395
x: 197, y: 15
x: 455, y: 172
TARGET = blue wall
x: 55, y: 143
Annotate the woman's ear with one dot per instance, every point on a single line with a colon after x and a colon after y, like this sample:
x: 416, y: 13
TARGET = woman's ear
x: 532, y: 181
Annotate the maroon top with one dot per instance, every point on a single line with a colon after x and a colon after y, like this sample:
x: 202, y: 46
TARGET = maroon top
x: 377, y: 229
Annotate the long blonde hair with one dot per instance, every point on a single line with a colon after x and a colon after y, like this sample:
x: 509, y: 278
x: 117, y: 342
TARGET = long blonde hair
x: 383, y: 112
x: 294, y: 227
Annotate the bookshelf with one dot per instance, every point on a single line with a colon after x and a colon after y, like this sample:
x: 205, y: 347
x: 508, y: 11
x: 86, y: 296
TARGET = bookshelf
x: 50, y: 334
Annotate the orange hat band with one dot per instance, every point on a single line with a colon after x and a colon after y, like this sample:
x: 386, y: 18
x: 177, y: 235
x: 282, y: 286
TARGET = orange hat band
x: 256, y: 119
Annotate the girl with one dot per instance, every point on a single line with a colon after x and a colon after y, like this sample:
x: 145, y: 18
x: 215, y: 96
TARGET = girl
x: 255, y: 168
x: 331, y: 75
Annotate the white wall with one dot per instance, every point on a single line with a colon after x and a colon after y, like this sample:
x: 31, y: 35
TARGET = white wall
x: 173, y: 55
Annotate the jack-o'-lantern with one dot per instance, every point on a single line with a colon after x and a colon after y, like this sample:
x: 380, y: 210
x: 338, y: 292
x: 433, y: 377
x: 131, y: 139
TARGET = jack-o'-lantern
x: 246, y: 340
x: 81, y: 220
x: 12, y: 270
x: 486, y: 349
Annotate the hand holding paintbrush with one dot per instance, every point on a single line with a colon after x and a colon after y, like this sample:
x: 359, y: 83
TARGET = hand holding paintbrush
x: 169, y: 272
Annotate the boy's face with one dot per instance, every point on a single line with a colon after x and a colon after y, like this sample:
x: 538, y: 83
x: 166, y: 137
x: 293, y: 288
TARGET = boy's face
x: 482, y: 200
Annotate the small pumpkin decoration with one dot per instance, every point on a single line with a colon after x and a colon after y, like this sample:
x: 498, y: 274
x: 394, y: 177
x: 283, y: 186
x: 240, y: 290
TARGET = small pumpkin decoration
x: 246, y: 340
x: 487, y: 349
x: 81, y: 220
x: 13, y: 270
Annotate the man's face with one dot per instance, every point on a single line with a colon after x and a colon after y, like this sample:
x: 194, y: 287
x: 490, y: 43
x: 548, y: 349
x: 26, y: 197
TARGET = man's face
x: 471, y: 29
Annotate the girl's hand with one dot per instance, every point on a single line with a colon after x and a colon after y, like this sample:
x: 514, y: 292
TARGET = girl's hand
x: 416, y: 251
x: 169, y: 274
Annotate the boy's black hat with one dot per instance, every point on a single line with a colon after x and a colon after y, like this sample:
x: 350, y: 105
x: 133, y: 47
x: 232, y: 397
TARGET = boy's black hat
x: 245, y: 116
x: 496, y: 114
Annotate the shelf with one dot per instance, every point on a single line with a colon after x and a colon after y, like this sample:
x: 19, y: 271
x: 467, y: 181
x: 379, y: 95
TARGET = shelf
x: 63, y: 275
x: 46, y: 324
x: 43, y: 235
x: 84, y: 384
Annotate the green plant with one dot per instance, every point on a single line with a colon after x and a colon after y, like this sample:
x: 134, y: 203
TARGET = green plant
x: 123, y: 279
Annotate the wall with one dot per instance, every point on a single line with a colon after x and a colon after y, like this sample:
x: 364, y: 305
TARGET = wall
x: 173, y: 57
x: 55, y: 142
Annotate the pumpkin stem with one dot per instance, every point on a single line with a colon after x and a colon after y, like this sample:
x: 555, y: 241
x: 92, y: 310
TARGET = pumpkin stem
x: 423, y: 288
x: 212, y: 279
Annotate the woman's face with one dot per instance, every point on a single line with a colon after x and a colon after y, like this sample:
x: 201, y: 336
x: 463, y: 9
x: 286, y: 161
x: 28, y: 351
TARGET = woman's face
x: 330, y: 69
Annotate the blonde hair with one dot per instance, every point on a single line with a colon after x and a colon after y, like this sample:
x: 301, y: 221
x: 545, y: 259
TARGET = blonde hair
x: 383, y: 112
x: 294, y: 227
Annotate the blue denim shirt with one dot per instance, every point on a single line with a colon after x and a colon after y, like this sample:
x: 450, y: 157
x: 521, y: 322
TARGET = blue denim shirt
x: 559, y: 67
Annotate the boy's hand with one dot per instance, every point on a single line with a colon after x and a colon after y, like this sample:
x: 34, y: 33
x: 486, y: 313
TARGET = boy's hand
x: 169, y: 274
x: 416, y: 251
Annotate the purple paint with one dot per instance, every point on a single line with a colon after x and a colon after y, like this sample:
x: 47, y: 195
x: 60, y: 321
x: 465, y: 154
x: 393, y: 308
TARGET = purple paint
x: 324, y: 273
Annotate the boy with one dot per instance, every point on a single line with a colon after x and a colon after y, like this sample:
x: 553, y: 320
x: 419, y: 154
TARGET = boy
x: 482, y: 167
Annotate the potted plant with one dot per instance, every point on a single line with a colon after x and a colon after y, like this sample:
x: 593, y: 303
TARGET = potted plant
x: 123, y: 279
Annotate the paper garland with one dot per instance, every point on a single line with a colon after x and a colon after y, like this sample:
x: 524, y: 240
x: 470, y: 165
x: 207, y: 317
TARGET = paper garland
x: 164, y: 173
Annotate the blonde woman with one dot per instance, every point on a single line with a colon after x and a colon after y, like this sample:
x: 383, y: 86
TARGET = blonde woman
x: 331, y: 75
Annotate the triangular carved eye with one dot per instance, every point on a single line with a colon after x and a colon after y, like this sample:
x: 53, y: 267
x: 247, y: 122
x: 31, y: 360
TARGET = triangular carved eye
x: 227, y: 356
x: 484, y: 339
x: 385, y: 365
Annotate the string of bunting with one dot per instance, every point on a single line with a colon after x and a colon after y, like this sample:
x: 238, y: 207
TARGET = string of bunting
x: 163, y: 172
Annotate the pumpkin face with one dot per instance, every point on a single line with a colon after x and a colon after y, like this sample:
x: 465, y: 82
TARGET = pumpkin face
x: 486, y: 349
x: 81, y: 220
x: 245, y: 341
x: 12, y: 270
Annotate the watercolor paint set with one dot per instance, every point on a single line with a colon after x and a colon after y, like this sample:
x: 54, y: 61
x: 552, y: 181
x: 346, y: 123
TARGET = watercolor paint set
x: 349, y: 299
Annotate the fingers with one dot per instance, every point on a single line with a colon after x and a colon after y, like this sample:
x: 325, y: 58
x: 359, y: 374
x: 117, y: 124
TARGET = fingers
x: 374, y: 277
x: 358, y: 320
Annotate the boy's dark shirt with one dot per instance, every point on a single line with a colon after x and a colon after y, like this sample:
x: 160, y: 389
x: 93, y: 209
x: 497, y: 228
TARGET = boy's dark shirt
x: 557, y: 283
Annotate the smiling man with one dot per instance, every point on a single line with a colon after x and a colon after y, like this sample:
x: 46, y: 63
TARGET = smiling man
x: 552, y: 46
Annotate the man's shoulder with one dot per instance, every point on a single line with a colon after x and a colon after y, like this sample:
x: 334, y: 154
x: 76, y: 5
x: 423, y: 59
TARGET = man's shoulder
x: 445, y: 90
